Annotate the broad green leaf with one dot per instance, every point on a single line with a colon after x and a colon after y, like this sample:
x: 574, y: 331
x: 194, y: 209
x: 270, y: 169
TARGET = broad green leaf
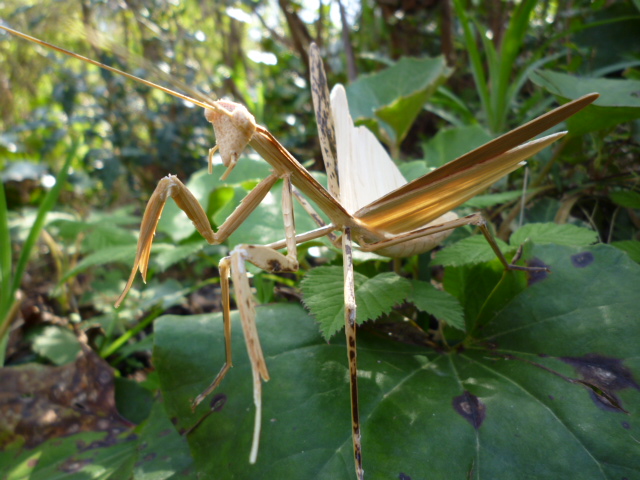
x: 162, y: 453
x: 323, y: 290
x: 632, y: 247
x: 544, y: 233
x: 70, y: 227
x: 393, y: 98
x: 441, y: 305
x: 626, y: 198
x: 618, y: 102
x: 451, y: 143
x: 537, y: 365
x: 133, y: 401
x: 57, y: 344
x: 469, y: 250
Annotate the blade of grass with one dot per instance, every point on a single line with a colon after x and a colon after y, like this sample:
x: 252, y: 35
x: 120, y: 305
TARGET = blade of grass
x: 8, y: 294
x: 512, y: 43
x: 5, y: 254
x: 6, y: 297
x: 475, y: 58
x: 45, y: 207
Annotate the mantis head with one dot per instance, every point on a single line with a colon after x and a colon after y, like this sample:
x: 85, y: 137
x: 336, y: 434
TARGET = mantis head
x: 234, y: 126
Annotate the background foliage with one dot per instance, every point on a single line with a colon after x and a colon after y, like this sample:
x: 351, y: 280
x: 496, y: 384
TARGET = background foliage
x: 81, y: 150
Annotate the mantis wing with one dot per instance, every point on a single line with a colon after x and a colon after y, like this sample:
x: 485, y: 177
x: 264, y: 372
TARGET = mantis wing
x: 419, y: 202
x: 366, y: 171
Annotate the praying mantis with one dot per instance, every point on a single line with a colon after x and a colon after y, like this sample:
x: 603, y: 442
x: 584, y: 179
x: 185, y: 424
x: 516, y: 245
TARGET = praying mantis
x: 394, y: 218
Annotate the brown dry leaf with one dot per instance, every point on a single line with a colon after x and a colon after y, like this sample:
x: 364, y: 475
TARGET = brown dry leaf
x: 39, y: 402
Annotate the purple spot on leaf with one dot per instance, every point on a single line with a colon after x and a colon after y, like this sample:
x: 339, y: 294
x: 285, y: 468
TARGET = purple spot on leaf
x: 603, y: 376
x: 217, y: 402
x: 536, y: 275
x: 470, y: 408
x: 581, y: 260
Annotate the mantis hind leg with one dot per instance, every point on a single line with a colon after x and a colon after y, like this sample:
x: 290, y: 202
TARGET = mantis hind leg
x: 350, y: 329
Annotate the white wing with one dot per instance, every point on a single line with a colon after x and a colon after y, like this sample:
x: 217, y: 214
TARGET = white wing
x: 365, y: 169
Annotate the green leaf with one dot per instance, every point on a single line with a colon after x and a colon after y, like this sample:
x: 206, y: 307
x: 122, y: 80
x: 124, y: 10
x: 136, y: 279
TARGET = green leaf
x: 441, y: 305
x: 451, y: 143
x: 412, y: 170
x: 536, y: 365
x: 377, y: 295
x: 626, y: 198
x: 470, y: 250
x: 11, y: 280
x: 108, y: 255
x: 57, y: 344
x: 323, y: 291
x: 162, y: 452
x: 133, y: 401
x: 544, y: 233
x: 618, y: 102
x: 474, y: 286
x: 632, y: 247
x: 171, y: 256
x: 105, y: 236
x: 394, y: 97
x: 492, y: 199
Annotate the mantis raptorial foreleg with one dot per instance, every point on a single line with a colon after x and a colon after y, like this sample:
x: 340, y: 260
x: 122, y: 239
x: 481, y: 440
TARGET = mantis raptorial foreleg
x: 171, y: 186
